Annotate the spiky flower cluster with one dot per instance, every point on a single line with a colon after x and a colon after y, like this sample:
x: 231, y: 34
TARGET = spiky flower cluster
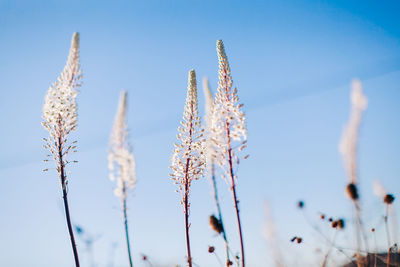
x: 121, y: 162
x: 349, y: 141
x: 188, y: 159
x: 227, y: 120
x: 60, y: 109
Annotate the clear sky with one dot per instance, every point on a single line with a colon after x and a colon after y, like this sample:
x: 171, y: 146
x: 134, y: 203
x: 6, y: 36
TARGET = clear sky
x: 292, y: 62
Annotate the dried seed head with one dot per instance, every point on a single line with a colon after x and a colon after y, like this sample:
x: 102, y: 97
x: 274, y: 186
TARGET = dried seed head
x: 211, y: 249
x: 322, y: 216
x: 352, y: 191
x: 229, y: 263
x: 215, y: 224
x: 372, y: 229
x: 341, y: 223
x: 388, y: 199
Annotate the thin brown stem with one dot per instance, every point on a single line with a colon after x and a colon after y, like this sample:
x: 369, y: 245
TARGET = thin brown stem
x: 186, y: 211
x: 63, y: 181
x: 235, y: 199
x: 126, y: 229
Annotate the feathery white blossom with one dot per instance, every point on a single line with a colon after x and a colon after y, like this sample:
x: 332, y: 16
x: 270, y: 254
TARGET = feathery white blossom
x: 349, y: 141
x: 188, y: 159
x: 227, y: 120
x: 60, y: 118
x: 121, y: 162
x: 209, y: 105
x: 60, y: 109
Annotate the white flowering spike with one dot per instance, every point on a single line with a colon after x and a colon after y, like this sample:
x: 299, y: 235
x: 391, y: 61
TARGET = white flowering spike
x: 188, y: 159
x: 227, y: 120
x: 349, y: 141
x: 209, y: 105
x: 121, y: 162
x: 60, y: 118
x: 60, y: 109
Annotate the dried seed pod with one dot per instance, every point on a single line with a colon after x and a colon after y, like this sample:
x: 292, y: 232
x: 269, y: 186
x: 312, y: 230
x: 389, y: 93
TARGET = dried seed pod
x: 388, y: 199
x: 341, y: 223
x: 352, y: 191
x: 215, y: 224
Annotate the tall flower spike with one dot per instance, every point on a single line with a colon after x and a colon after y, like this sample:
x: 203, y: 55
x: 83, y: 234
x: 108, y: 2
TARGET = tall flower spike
x: 349, y: 141
x: 121, y: 162
x: 60, y: 118
x: 228, y: 127
x: 227, y: 115
x: 188, y: 160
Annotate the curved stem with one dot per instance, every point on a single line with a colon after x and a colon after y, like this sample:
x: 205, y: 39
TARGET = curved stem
x: 63, y: 181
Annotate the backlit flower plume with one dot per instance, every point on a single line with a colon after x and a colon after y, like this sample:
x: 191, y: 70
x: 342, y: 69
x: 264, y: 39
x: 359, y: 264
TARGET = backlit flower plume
x: 121, y: 162
x: 228, y: 131
x: 188, y: 159
x: 59, y: 109
x: 349, y: 141
x: 227, y: 120
x: 60, y: 118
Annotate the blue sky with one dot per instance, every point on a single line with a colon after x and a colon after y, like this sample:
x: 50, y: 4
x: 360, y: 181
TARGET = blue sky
x: 292, y: 62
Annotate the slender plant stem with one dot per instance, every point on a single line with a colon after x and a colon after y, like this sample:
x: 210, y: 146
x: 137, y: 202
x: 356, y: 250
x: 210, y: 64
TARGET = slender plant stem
x: 360, y: 233
x: 65, y: 193
x: 219, y: 211
x: 126, y: 230
x: 376, y: 250
x: 387, y: 234
x: 236, y: 201
x: 186, y: 211
x: 329, y: 250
